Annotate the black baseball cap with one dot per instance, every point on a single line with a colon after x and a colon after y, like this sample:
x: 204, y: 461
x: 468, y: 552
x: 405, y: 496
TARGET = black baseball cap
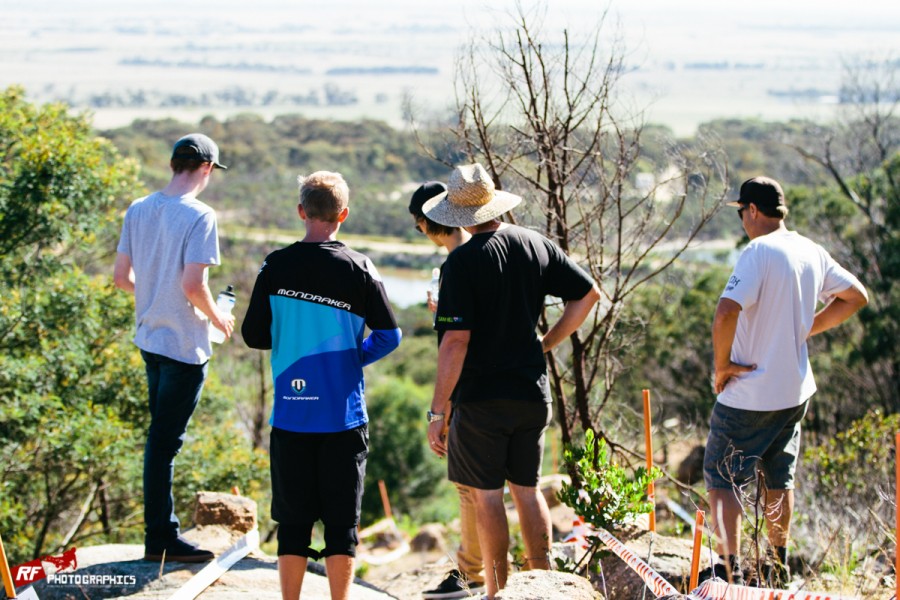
x: 198, y: 147
x: 423, y: 194
x: 764, y: 192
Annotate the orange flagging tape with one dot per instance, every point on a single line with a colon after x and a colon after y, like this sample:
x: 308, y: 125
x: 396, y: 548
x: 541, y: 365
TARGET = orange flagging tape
x: 713, y: 589
x: 652, y: 579
x: 716, y: 589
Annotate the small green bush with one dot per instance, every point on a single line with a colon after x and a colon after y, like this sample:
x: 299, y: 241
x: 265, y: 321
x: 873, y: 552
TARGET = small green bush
x: 602, y: 492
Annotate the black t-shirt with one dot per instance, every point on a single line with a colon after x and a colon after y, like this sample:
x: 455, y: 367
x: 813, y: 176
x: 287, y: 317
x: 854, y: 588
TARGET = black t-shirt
x: 494, y: 286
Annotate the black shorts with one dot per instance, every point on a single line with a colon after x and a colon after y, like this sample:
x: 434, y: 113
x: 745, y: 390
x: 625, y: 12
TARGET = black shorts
x: 495, y: 441
x: 318, y: 477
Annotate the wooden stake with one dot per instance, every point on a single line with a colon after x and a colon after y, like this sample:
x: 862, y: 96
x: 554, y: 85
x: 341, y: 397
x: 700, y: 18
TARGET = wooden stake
x: 384, y: 499
x: 648, y: 440
x: 695, y: 555
x: 4, y: 572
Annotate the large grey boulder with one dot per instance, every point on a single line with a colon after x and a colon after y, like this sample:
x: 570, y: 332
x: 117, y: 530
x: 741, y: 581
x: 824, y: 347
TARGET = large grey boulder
x: 547, y: 585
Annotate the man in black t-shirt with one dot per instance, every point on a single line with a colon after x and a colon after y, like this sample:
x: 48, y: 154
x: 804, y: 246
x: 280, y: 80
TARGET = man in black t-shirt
x: 491, y: 363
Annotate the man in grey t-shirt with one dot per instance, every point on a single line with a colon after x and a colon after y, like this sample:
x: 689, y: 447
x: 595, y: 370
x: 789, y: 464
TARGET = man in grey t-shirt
x: 168, y: 240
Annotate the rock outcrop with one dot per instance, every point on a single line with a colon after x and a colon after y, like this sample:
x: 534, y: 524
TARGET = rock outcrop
x: 118, y: 571
x: 236, y: 513
x: 547, y: 585
x: 668, y: 556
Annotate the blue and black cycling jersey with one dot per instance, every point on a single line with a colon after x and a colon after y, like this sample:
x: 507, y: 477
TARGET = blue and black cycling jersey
x: 311, y: 305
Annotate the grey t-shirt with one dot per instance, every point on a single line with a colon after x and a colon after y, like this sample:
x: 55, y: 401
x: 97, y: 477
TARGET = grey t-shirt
x: 161, y: 235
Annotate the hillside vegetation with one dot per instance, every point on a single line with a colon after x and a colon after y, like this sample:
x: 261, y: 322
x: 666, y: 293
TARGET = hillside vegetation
x: 72, y: 415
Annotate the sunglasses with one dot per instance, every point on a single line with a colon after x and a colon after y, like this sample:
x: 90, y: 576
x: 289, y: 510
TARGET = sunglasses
x: 419, y: 225
x: 741, y: 212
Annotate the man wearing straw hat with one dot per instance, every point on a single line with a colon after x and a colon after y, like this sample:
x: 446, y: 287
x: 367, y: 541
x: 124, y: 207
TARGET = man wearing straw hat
x: 491, y: 366
x: 762, y: 373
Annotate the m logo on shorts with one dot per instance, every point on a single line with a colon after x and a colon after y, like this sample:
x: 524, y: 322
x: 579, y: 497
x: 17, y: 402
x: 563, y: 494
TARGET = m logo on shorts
x: 298, y: 385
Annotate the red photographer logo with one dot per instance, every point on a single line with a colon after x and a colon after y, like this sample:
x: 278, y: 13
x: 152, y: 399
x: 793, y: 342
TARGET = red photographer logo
x: 34, y: 571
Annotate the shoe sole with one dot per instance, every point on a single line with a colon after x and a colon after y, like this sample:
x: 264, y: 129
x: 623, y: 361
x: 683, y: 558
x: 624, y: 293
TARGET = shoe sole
x: 176, y: 558
x: 474, y: 592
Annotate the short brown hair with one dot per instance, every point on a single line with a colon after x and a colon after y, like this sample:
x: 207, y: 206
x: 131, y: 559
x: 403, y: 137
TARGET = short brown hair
x: 323, y: 195
x: 189, y: 165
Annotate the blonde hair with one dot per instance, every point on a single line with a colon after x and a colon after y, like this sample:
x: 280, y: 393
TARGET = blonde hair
x: 323, y: 195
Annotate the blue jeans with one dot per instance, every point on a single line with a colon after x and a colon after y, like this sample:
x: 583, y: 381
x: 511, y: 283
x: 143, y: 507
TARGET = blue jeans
x: 174, y: 391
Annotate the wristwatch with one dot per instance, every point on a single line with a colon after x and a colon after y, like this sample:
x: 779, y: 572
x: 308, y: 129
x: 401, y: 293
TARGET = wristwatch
x: 432, y: 416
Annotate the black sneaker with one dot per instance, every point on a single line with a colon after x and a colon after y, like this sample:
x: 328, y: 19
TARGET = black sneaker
x: 720, y: 572
x: 776, y: 575
x: 455, y: 585
x: 178, y: 550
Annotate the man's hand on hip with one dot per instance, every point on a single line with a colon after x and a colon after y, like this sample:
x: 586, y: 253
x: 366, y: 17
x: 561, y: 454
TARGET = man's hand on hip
x: 724, y: 375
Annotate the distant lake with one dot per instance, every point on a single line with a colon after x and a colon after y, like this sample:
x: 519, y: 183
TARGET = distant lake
x: 406, y: 288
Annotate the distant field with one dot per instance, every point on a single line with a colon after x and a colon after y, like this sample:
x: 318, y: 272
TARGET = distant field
x: 689, y: 62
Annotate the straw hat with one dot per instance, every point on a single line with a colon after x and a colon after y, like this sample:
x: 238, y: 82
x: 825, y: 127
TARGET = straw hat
x: 470, y: 199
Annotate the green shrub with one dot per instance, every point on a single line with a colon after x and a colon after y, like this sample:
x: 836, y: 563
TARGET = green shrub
x: 602, y: 492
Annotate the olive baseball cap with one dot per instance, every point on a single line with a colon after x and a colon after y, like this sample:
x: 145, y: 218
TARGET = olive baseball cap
x: 198, y: 147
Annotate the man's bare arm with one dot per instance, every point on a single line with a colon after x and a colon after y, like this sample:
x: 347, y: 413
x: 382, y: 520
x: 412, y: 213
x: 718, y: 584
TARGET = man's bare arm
x: 844, y: 306
x: 451, y: 356
x: 723, y: 331
x: 574, y: 314
x: 123, y: 274
x: 196, y: 290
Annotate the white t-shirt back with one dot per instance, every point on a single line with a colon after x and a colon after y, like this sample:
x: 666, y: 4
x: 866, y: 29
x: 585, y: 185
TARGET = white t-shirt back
x: 778, y: 280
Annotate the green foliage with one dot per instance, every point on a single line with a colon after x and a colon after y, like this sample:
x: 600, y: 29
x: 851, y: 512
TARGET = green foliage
x: 217, y: 457
x: 415, y: 359
x: 57, y: 181
x: 672, y: 350
x: 601, y: 491
x: 849, y: 459
x: 398, y: 448
x: 846, y: 502
x: 69, y: 379
x: 264, y: 159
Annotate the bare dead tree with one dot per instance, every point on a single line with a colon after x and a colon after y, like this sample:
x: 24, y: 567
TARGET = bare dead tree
x: 544, y: 115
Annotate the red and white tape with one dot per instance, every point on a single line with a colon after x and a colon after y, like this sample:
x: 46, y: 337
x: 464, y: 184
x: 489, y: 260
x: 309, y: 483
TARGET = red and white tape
x: 654, y: 580
x: 713, y: 589
x: 722, y: 590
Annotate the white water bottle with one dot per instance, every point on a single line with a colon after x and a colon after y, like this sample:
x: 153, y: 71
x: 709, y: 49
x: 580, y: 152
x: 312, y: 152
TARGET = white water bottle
x: 435, y: 286
x: 225, y: 302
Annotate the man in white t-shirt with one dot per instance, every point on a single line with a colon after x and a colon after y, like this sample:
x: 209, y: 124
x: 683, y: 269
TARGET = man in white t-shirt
x: 763, y: 377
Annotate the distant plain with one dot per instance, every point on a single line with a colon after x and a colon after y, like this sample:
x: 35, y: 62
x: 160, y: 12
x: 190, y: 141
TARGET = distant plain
x: 688, y: 62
